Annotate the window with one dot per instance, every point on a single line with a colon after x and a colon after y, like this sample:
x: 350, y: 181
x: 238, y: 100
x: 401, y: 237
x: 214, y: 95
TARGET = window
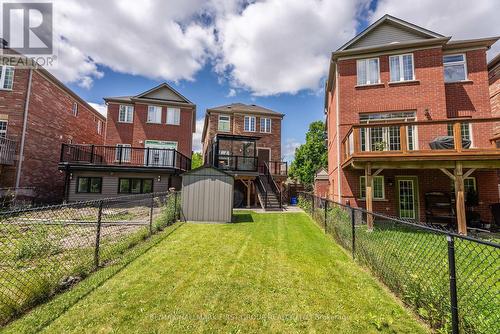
x: 89, y: 185
x: 470, y: 185
x: 99, y: 127
x: 154, y: 114
x: 74, y: 110
x: 378, y: 187
x: 135, y: 186
x: 6, y: 77
x: 265, y: 125
x: 249, y: 124
x: 173, y: 116
x: 465, y: 130
x: 123, y: 152
x: 455, y: 68
x: 3, y: 129
x: 126, y: 114
x: 368, y: 71
x: 401, y: 68
x: 224, y: 123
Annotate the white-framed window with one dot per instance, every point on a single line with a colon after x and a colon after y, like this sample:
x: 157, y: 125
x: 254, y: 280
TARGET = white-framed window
x: 3, y: 129
x: 455, y: 67
x: 224, y: 124
x: 465, y: 131
x: 6, y: 77
x: 74, y: 110
x: 123, y: 151
x: 126, y: 114
x: 368, y: 71
x: 378, y: 187
x: 154, y: 114
x: 265, y: 125
x: 99, y: 127
x: 173, y: 116
x: 402, y: 68
x: 249, y: 124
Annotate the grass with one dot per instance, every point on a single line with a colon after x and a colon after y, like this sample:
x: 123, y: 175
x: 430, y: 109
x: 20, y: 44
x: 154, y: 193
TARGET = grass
x: 265, y: 273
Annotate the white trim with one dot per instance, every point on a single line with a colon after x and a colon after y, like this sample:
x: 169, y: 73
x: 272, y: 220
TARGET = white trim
x: 218, y: 122
x: 416, y: 193
x: 249, y: 123
x: 147, y: 116
x: 2, y: 77
x: 401, y: 68
x: 129, y: 152
x: 6, y: 121
x: 367, y: 69
x: 176, y: 111
x: 337, y: 135
x: 270, y: 124
x: 464, y: 62
x: 132, y: 113
x: 373, y: 186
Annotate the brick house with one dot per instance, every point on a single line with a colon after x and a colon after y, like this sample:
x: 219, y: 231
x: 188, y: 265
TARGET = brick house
x: 321, y: 183
x: 410, y: 125
x: 37, y: 114
x: 148, y: 144
x: 494, y: 82
x: 245, y: 140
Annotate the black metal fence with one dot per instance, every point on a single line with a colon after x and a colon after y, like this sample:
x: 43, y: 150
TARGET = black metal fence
x: 48, y: 249
x: 450, y: 281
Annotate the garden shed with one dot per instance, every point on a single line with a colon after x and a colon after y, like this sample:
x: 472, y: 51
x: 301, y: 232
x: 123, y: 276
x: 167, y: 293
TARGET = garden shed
x: 207, y: 195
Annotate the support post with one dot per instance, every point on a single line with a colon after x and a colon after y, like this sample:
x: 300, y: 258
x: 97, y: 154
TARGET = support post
x: 326, y: 216
x: 460, y: 198
x: 453, y: 284
x: 457, y: 136
x: 403, y: 136
x: 249, y: 192
x: 353, y: 223
x: 98, y: 236
x: 369, y: 195
x: 152, y: 204
x: 175, y: 207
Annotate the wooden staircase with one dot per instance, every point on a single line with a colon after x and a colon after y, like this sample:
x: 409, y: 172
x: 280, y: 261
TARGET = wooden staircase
x: 268, y: 191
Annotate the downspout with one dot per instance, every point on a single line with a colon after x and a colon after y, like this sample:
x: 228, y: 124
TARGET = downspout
x: 23, y: 135
x: 339, y: 187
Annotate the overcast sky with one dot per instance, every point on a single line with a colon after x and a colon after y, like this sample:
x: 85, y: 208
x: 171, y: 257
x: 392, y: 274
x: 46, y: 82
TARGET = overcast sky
x: 273, y: 52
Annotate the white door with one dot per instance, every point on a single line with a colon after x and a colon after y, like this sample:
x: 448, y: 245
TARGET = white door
x: 407, y: 198
x: 161, y: 153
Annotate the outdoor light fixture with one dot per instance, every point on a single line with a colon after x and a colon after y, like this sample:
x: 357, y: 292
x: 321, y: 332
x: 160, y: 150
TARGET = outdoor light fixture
x: 159, y: 178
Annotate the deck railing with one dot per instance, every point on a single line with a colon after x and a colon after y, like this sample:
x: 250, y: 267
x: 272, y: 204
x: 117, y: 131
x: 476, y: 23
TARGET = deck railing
x: 420, y: 138
x: 7, y: 151
x: 236, y: 163
x: 124, y: 156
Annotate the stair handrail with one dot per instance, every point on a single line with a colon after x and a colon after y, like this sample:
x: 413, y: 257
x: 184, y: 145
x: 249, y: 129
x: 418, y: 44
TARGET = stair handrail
x: 272, y: 183
x: 262, y: 189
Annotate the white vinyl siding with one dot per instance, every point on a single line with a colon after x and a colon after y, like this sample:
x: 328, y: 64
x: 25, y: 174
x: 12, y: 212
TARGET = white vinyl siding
x: 224, y: 124
x: 249, y: 124
x: 265, y: 125
x: 402, y: 68
x: 126, y: 114
x: 6, y: 77
x: 378, y: 187
x: 154, y: 114
x: 368, y: 71
x: 455, y: 68
x: 173, y: 116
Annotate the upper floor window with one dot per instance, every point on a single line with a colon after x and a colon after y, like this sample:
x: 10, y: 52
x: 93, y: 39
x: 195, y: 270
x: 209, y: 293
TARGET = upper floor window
x: 265, y: 125
x: 368, y: 71
x: 99, y: 127
x: 173, y: 116
x: 401, y: 68
x: 74, y: 110
x: 3, y: 129
x: 126, y: 114
x: 154, y: 114
x: 224, y: 123
x: 249, y: 124
x: 455, y: 68
x: 6, y: 77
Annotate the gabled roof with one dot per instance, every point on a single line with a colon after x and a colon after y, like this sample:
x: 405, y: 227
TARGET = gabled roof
x: 245, y: 108
x: 321, y: 174
x: 391, y: 30
x: 161, y: 93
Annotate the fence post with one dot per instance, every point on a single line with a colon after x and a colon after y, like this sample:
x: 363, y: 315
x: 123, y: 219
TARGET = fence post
x: 453, y: 284
x: 326, y: 216
x: 175, y: 206
x: 353, y: 222
x: 152, y: 204
x: 98, y: 235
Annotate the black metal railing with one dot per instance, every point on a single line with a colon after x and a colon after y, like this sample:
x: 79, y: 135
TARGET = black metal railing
x: 49, y: 249
x: 450, y: 280
x: 7, y: 151
x: 274, y: 187
x: 124, y: 156
x: 278, y: 167
x: 236, y: 163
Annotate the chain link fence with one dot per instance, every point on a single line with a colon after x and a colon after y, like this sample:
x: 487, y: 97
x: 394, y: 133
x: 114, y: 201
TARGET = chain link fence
x: 48, y: 249
x: 450, y: 281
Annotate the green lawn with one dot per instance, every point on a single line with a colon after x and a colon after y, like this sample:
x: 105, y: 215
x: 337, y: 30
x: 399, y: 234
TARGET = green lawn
x: 267, y: 273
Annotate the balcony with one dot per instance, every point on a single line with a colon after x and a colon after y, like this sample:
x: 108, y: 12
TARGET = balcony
x: 7, y: 151
x: 102, y: 156
x: 415, y: 144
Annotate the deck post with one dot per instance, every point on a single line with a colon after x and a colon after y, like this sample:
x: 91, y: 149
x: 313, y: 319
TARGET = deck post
x: 460, y: 198
x: 369, y: 195
x: 403, y: 138
x: 457, y: 136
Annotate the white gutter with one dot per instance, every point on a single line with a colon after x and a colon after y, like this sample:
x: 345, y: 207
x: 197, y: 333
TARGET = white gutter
x: 339, y: 187
x: 23, y: 136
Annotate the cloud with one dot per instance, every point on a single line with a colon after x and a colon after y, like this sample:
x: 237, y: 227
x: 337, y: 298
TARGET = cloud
x: 197, y: 146
x: 231, y: 93
x: 289, y: 148
x: 280, y: 46
x: 101, y: 108
x: 460, y: 19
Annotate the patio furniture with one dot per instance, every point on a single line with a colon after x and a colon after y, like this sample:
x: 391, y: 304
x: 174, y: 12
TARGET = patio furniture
x: 447, y: 143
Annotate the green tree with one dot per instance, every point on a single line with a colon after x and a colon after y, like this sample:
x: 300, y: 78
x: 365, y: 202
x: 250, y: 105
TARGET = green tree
x: 311, y: 156
x: 196, y: 160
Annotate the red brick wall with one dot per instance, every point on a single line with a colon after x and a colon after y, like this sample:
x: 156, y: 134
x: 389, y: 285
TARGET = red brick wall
x: 137, y: 132
x: 50, y: 124
x: 321, y: 188
x: 494, y: 90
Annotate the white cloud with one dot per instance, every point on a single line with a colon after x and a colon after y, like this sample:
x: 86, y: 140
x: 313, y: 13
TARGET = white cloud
x: 197, y: 146
x: 289, y: 148
x: 460, y: 19
x: 231, y: 93
x: 278, y: 46
x: 101, y: 108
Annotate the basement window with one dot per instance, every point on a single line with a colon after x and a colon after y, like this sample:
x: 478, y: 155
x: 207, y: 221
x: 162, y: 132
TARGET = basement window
x: 378, y: 187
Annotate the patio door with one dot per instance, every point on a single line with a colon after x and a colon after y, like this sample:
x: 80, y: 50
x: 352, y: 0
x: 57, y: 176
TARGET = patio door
x: 407, y: 197
x: 160, y: 153
x: 263, y: 155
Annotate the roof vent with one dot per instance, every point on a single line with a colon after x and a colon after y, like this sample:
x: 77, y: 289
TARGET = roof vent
x: 253, y: 105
